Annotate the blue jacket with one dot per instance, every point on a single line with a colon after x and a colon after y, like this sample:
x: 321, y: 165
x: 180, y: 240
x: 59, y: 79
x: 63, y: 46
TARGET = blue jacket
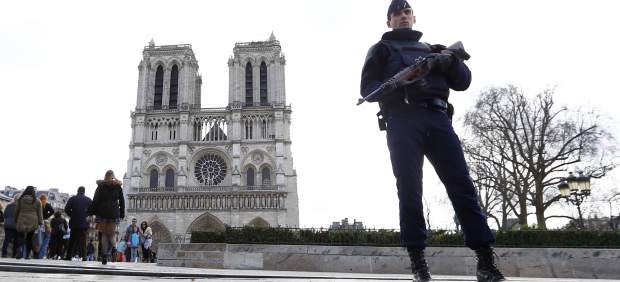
x: 399, y: 49
x: 77, y: 209
x: 9, y: 216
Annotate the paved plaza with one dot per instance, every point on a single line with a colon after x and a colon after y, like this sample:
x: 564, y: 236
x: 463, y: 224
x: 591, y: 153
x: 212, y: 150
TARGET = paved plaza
x: 47, y: 270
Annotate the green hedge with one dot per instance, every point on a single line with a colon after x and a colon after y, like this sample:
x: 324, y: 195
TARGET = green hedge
x: 524, y: 239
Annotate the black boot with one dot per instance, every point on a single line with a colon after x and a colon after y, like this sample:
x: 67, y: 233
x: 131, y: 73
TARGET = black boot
x: 487, y: 269
x: 419, y: 268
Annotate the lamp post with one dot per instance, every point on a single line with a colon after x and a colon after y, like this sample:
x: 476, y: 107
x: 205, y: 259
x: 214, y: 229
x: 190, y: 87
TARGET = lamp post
x: 575, y: 189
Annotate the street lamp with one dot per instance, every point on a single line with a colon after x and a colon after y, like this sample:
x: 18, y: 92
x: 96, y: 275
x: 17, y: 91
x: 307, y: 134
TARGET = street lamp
x: 574, y: 189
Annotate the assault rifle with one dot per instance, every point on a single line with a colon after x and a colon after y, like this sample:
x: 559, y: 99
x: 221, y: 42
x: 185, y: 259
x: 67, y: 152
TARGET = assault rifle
x: 415, y: 72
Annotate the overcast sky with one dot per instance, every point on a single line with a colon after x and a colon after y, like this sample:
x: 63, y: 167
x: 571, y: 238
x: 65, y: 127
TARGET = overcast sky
x: 68, y: 81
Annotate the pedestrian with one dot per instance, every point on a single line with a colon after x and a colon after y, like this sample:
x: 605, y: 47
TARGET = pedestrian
x: 48, y: 211
x: 28, y: 218
x: 132, y: 236
x: 108, y: 206
x: 10, y: 231
x: 90, y: 250
x: 77, y: 209
x: 147, y: 241
x: 418, y: 118
x: 121, y: 246
x: 59, y: 229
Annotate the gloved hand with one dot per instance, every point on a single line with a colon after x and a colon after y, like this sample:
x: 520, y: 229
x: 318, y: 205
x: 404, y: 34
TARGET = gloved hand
x: 441, y: 61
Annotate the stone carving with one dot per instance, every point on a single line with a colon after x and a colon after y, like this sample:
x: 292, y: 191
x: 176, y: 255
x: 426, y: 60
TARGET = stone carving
x: 270, y: 149
x: 175, y: 151
x: 161, y: 160
x: 257, y: 158
x: 244, y: 149
x: 147, y: 152
x: 229, y: 148
x: 236, y: 170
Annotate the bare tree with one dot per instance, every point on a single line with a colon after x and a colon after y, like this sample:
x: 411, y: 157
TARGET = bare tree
x: 530, y: 144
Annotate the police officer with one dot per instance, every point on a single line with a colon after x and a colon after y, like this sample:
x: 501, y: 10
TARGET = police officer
x: 418, y: 125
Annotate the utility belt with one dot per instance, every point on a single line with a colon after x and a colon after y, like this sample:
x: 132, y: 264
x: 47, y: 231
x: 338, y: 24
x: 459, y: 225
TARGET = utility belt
x: 435, y: 104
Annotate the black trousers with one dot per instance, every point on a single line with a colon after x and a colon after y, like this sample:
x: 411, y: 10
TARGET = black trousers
x: 146, y: 254
x: 424, y: 132
x: 56, y: 245
x: 77, y: 243
x: 10, y: 236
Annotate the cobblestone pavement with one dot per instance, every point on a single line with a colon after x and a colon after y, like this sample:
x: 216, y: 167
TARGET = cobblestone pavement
x: 12, y: 270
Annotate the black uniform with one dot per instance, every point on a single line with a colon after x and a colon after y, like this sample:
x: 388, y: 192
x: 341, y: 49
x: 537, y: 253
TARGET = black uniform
x: 418, y: 125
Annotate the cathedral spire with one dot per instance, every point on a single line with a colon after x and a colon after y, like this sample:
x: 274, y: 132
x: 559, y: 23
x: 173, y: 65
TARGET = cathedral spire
x: 152, y: 43
x: 272, y: 37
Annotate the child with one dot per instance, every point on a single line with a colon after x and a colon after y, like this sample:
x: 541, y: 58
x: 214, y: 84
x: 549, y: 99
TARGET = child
x: 120, y: 248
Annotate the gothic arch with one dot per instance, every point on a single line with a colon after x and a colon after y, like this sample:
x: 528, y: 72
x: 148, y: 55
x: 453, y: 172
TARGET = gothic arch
x: 217, y: 151
x: 164, y: 173
x: 267, y: 158
x: 259, y: 222
x: 175, y: 61
x: 247, y: 60
x: 157, y: 63
x: 147, y: 178
x: 244, y: 170
x: 158, y: 86
x: 171, y: 160
x: 206, y: 223
x: 161, y: 234
x: 262, y: 59
x: 271, y: 174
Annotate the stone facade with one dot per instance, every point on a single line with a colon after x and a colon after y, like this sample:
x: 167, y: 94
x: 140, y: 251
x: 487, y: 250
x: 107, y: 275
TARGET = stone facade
x: 193, y: 168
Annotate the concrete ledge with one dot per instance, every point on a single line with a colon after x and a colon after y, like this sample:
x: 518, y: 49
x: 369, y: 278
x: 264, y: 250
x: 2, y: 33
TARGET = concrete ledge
x: 530, y: 262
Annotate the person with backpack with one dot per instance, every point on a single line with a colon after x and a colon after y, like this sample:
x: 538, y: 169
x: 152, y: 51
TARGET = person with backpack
x: 10, y: 232
x: 59, y: 229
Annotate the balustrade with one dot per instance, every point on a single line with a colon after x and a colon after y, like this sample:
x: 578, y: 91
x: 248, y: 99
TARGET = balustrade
x: 208, y: 188
x: 213, y: 201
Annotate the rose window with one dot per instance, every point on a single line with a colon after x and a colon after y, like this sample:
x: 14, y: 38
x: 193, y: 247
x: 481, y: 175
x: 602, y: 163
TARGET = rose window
x: 210, y: 169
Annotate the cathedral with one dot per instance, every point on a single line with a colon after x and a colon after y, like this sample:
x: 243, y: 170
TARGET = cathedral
x: 202, y: 169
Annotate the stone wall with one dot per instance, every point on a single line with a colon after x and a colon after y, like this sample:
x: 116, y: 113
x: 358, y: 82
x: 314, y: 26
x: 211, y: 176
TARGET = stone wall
x: 531, y: 262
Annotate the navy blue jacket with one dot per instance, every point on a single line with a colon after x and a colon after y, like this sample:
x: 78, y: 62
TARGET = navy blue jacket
x: 77, y: 209
x: 9, y: 216
x: 399, y: 49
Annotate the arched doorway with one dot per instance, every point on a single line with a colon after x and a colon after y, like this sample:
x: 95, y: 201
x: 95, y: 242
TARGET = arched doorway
x: 259, y: 222
x: 206, y: 223
x: 160, y: 234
